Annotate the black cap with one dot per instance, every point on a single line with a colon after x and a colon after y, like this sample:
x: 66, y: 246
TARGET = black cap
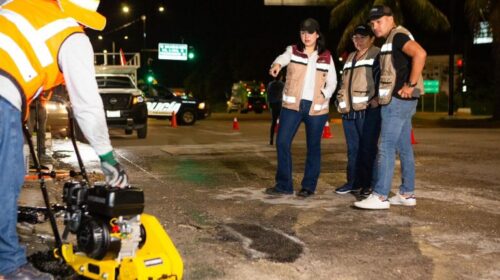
x: 379, y: 11
x: 310, y: 25
x: 363, y: 29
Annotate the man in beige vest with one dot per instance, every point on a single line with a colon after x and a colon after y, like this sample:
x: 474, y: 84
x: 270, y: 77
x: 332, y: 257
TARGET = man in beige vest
x: 398, y: 92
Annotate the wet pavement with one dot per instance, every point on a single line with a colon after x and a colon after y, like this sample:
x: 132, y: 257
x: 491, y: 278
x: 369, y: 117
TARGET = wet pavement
x: 205, y: 184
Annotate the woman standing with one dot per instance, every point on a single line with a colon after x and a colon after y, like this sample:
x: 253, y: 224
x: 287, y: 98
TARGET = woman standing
x: 310, y: 82
x: 358, y: 104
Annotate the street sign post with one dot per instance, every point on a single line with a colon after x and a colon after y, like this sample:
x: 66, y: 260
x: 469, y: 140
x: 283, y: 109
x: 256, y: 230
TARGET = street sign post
x: 168, y: 51
x: 431, y: 87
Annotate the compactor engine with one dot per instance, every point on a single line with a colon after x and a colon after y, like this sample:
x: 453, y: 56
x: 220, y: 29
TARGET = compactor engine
x: 114, y: 239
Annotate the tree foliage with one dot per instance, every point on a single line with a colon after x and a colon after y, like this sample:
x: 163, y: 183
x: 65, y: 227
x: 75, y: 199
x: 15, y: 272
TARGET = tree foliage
x: 347, y: 14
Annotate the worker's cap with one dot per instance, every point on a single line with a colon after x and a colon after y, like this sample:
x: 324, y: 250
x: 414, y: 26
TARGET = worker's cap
x: 379, y: 11
x: 310, y: 25
x: 85, y: 12
x: 363, y: 29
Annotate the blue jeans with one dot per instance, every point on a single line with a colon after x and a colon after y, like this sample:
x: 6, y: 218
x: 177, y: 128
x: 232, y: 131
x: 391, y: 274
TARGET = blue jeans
x: 395, y: 136
x: 12, y: 255
x: 289, y: 124
x: 353, y: 132
x: 368, y: 147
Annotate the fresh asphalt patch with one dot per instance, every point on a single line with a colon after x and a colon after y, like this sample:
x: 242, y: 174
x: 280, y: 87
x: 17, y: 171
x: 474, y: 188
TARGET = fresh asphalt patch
x: 263, y: 243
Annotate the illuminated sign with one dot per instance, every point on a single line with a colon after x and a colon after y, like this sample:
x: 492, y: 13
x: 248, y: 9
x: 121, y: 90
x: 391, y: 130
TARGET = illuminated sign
x: 483, y: 34
x: 167, y: 51
x: 431, y: 86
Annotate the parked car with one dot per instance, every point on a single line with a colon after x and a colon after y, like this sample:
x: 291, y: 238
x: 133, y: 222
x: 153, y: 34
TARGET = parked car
x: 124, y: 103
x: 162, y: 102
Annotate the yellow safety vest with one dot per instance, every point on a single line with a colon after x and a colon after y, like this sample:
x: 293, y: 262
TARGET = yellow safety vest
x: 31, y: 34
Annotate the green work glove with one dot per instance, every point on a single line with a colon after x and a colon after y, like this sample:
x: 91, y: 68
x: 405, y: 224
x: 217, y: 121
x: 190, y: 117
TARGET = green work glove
x: 115, y: 174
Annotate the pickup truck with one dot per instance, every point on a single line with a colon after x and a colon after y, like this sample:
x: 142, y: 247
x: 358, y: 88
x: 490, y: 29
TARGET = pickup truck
x: 124, y: 103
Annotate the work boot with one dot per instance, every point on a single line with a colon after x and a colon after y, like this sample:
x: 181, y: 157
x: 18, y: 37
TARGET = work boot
x: 28, y: 272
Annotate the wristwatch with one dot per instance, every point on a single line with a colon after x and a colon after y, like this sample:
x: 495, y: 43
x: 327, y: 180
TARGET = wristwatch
x: 409, y: 84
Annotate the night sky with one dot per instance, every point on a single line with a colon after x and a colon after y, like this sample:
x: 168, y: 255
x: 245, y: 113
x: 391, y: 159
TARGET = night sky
x: 242, y: 36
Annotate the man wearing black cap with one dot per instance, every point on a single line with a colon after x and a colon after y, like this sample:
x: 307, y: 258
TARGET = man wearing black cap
x: 401, y: 63
x: 357, y: 102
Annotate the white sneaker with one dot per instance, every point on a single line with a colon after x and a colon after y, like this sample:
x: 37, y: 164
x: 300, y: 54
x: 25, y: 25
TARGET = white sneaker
x: 372, y: 202
x: 398, y: 199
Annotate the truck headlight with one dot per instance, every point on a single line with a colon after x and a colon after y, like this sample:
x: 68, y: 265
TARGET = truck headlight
x: 201, y: 105
x: 137, y: 99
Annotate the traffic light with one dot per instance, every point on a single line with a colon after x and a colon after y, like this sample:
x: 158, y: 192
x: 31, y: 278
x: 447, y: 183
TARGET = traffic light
x: 191, y: 53
x: 461, y: 79
x: 150, y: 78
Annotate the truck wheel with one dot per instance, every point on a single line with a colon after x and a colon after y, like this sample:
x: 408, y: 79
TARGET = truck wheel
x: 187, y: 117
x: 128, y: 131
x: 142, y: 132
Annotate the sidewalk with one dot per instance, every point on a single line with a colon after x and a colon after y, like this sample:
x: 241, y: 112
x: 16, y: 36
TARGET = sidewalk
x: 421, y: 119
x: 458, y: 120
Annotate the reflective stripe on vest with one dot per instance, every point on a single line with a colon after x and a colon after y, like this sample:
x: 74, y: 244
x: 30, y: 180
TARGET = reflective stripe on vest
x: 298, y: 59
x: 17, y: 54
x: 319, y: 107
x: 31, y: 34
x: 359, y: 99
x: 363, y: 62
x: 37, y: 38
x: 51, y: 29
x: 289, y: 99
x: 386, y: 47
x: 322, y: 66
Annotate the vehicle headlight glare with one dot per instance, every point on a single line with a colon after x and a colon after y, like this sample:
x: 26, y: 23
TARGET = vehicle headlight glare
x: 201, y: 105
x: 138, y: 99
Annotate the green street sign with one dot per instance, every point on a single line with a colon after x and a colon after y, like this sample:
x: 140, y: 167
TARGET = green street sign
x: 431, y: 86
x: 172, y: 51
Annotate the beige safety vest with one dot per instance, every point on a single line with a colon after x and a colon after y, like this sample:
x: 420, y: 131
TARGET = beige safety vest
x: 358, y: 86
x: 295, y: 75
x: 388, y: 72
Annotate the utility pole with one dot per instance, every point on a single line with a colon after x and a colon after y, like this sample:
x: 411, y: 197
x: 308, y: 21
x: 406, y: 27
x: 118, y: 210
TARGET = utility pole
x: 451, y: 63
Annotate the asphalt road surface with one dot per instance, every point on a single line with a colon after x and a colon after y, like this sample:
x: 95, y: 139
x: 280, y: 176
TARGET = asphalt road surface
x: 205, y: 183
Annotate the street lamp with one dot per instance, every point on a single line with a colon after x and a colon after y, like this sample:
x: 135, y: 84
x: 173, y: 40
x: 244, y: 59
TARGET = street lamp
x: 143, y: 18
x: 125, y: 9
x: 161, y: 9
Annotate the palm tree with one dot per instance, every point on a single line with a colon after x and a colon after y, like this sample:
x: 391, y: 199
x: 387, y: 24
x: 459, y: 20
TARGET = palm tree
x: 346, y: 14
x: 481, y: 10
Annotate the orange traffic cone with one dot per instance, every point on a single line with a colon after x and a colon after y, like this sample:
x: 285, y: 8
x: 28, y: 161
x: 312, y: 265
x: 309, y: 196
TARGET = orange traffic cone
x: 236, y: 125
x: 327, y: 133
x: 123, y: 61
x: 277, y: 126
x: 413, y: 141
x: 173, y: 120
